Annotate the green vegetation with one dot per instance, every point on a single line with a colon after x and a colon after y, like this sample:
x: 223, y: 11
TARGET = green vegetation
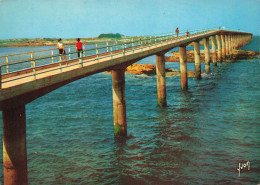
x: 110, y: 35
x: 116, y: 130
x: 50, y: 39
x: 162, y: 102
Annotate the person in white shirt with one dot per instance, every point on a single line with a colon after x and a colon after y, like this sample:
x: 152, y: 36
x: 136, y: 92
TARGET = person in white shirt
x: 62, y: 52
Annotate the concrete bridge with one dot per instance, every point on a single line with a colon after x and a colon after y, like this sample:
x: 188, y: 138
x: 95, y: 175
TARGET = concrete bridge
x: 23, y: 81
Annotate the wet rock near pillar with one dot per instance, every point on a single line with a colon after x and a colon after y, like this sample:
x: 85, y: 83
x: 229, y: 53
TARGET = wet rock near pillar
x: 138, y: 69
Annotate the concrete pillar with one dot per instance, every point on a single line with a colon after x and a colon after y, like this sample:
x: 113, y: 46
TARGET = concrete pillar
x: 183, y: 67
x: 227, y: 47
x: 161, y: 84
x: 223, y: 47
x: 197, y: 59
x: 236, y: 44
x: 239, y: 41
x: 214, y: 51
x: 229, y: 44
x: 219, y: 48
x: 235, y: 41
x: 14, y: 146
x: 119, y: 105
x: 207, y: 55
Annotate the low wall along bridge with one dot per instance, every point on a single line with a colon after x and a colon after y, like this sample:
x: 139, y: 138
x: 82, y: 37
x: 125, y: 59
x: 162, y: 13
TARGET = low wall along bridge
x: 24, y: 80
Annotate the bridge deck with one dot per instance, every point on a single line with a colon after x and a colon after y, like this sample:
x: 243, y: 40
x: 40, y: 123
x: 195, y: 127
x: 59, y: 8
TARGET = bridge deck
x: 24, y: 82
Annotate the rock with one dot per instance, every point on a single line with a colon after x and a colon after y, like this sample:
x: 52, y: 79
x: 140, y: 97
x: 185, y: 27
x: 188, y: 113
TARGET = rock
x: 191, y: 74
x: 241, y: 54
x: 173, y: 73
x: 139, y: 69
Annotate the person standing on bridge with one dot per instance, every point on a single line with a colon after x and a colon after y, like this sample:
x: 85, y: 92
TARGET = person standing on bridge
x: 177, y: 32
x: 61, y: 48
x: 187, y: 33
x: 79, y: 47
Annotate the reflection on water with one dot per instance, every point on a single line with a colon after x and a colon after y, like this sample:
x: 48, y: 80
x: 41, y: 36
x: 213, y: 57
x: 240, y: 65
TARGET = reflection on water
x: 199, y: 138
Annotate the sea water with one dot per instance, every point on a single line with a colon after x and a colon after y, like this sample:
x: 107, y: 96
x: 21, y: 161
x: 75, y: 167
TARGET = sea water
x: 199, y: 138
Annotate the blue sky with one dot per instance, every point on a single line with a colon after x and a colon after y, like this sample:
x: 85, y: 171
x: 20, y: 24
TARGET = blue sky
x: 89, y: 18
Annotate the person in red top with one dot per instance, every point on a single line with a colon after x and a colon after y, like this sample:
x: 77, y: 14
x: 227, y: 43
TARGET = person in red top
x: 79, y: 47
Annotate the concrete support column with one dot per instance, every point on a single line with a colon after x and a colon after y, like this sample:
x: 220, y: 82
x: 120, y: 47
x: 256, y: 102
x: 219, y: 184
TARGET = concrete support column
x: 229, y: 44
x: 239, y: 41
x: 242, y: 40
x: 161, y: 84
x: 197, y: 59
x: 227, y: 47
x: 219, y: 48
x: 183, y: 67
x: 119, y: 104
x: 14, y: 146
x: 223, y: 47
x: 214, y: 51
x: 235, y: 41
x: 235, y: 37
x: 238, y: 38
x: 207, y: 55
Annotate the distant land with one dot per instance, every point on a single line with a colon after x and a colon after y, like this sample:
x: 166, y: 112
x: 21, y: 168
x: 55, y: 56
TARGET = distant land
x: 110, y: 35
x: 34, y: 42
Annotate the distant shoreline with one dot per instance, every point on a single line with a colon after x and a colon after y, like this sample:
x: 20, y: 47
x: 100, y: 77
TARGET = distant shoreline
x: 39, y: 42
x: 48, y: 42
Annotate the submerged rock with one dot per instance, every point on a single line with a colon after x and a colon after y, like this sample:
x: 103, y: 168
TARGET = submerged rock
x: 176, y: 73
x: 173, y: 73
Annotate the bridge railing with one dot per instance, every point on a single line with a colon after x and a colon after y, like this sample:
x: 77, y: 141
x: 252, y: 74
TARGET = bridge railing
x: 33, y: 61
x: 70, y: 49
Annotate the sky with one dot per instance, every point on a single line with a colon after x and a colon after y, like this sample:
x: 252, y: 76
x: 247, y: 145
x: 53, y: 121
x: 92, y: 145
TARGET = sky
x: 89, y: 18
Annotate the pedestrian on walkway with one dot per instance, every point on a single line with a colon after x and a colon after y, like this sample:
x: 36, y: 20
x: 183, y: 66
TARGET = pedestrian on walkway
x: 177, y: 32
x: 79, y: 47
x: 187, y: 33
x: 61, y: 48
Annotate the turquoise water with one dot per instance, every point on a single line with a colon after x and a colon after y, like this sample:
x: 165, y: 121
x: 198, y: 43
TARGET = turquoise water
x: 199, y: 138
